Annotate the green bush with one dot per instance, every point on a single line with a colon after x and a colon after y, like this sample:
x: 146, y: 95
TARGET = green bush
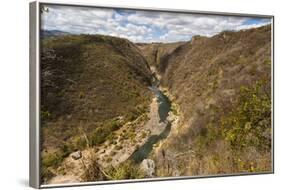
x: 131, y: 135
x: 132, y: 116
x: 103, y: 133
x: 267, y: 62
x: 143, y: 134
x: 174, y: 110
x: 45, y: 114
x: 66, y: 150
x: 126, y: 170
x: 249, y: 123
x: 79, y: 143
x: 99, y: 136
x: 52, y: 159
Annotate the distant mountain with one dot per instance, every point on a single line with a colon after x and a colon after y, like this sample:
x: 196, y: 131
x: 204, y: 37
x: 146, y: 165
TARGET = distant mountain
x: 50, y: 33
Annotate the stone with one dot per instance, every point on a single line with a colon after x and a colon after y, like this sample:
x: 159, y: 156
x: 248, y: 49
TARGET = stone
x: 76, y: 155
x: 120, y: 118
x: 148, y: 167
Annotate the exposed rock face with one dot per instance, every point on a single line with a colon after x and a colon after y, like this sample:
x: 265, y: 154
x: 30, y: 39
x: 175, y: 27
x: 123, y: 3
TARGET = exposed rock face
x: 148, y: 167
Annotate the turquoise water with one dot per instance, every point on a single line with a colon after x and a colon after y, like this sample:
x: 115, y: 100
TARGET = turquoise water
x: 163, y: 111
x: 164, y: 103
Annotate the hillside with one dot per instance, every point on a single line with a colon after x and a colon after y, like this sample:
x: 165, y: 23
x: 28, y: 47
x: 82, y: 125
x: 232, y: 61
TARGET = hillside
x: 210, y: 112
x: 156, y: 53
x: 222, y: 86
x: 91, y: 85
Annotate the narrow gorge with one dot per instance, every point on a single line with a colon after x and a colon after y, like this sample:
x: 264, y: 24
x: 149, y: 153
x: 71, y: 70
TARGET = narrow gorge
x: 200, y: 107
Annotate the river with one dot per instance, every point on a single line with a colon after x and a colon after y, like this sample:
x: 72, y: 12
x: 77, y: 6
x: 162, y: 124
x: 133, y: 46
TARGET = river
x: 164, y: 107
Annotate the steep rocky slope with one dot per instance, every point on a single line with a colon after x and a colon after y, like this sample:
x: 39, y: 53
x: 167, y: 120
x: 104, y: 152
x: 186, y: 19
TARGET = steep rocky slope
x: 91, y: 86
x: 95, y: 98
x: 156, y: 53
x: 222, y: 86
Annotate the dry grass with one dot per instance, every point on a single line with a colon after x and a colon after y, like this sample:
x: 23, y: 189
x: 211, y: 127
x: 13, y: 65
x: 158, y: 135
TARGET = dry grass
x: 205, y: 77
x: 88, y: 82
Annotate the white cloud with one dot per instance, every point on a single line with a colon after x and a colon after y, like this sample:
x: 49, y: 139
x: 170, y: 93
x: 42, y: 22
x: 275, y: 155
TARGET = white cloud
x: 142, y: 26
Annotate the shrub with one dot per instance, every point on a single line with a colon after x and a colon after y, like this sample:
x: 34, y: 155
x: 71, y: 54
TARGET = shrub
x: 113, y: 125
x: 267, y: 62
x: 51, y: 159
x: 131, y: 116
x: 174, y: 110
x: 118, y: 147
x: 45, y: 114
x: 101, y: 134
x: 46, y: 174
x: 66, y: 150
x: 80, y: 143
x: 131, y: 135
x: 249, y: 123
x: 81, y: 94
x: 92, y: 171
x: 126, y: 170
x: 143, y: 134
x: 55, y: 159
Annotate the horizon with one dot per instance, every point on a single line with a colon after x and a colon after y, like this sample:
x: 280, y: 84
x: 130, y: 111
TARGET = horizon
x: 140, y: 26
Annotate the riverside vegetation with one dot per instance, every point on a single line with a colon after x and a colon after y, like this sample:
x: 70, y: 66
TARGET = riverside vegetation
x: 96, y: 100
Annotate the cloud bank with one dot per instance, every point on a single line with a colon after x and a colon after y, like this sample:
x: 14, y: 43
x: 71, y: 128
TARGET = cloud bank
x: 142, y: 26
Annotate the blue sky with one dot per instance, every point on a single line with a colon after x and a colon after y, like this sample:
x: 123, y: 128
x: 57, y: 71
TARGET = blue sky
x: 142, y: 26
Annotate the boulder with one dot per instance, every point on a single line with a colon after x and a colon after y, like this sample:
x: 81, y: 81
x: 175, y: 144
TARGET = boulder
x: 148, y: 167
x: 76, y: 155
